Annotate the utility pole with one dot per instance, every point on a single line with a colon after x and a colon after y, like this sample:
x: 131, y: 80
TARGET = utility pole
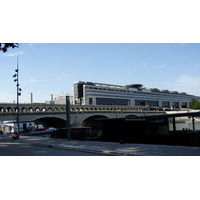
x: 16, y: 76
x: 68, y: 131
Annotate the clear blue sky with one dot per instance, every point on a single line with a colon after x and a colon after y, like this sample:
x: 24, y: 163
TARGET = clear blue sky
x: 51, y: 68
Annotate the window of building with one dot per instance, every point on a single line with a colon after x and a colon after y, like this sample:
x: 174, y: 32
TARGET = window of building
x: 146, y: 103
x: 184, y: 104
x: 111, y: 101
x: 90, y: 101
x: 165, y: 104
x: 175, y: 104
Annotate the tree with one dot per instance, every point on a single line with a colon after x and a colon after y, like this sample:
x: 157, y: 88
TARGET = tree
x: 194, y: 104
x: 4, y: 46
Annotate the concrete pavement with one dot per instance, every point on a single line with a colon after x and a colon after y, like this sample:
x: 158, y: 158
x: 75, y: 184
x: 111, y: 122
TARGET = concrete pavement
x: 111, y: 148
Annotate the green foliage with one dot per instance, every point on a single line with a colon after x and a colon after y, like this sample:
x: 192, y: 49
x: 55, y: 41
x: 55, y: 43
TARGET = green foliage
x: 4, y: 46
x: 194, y: 104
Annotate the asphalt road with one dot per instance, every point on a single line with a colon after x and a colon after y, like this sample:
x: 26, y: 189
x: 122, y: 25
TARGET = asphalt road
x: 15, y: 148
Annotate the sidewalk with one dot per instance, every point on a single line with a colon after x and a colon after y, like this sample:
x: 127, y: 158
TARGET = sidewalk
x: 111, y: 148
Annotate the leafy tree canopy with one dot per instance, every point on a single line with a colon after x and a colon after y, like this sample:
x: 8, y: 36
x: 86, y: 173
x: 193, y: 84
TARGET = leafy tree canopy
x: 194, y: 104
x: 4, y: 46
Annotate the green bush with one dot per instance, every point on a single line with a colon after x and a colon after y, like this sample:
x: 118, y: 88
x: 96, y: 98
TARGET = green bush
x: 194, y: 104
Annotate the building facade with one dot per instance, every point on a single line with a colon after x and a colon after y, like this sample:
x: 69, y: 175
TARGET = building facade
x: 89, y: 93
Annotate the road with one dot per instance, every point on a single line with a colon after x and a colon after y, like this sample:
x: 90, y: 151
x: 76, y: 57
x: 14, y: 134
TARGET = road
x: 15, y: 148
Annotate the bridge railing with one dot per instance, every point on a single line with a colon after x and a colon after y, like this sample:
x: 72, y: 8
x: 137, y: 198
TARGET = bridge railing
x: 76, y: 108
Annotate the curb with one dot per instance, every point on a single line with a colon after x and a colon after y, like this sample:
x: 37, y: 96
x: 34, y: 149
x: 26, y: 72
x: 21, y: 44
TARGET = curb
x: 106, y: 153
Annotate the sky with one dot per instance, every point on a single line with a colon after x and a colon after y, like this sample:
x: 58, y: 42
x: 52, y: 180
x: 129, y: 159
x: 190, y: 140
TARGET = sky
x: 52, y: 68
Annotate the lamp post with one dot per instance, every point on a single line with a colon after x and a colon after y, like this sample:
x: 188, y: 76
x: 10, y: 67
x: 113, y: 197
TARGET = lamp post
x: 16, y: 79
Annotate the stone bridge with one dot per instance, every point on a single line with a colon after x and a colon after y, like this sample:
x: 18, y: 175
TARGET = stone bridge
x: 81, y: 116
x: 36, y: 107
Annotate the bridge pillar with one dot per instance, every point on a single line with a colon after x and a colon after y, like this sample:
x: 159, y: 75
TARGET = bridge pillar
x: 68, y: 117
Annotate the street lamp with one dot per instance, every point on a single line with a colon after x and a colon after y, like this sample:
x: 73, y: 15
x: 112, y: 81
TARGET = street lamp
x: 16, y: 79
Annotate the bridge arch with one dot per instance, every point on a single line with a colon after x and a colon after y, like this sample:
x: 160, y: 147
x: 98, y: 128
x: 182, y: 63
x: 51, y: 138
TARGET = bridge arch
x: 43, y: 109
x: 9, y: 109
x: 47, y: 121
x: 96, y: 126
x: 24, y: 109
x: 62, y: 109
x: 55, y: 109
x: 37, y: 109
x: 49, y: 109
x: 85, y: 121
x: 30, y: 109
x: 2, y: 109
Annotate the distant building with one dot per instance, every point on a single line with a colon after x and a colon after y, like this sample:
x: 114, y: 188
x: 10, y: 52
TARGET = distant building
x: 89, y: 93
x: 51, y: 102
x: 62, y: 99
